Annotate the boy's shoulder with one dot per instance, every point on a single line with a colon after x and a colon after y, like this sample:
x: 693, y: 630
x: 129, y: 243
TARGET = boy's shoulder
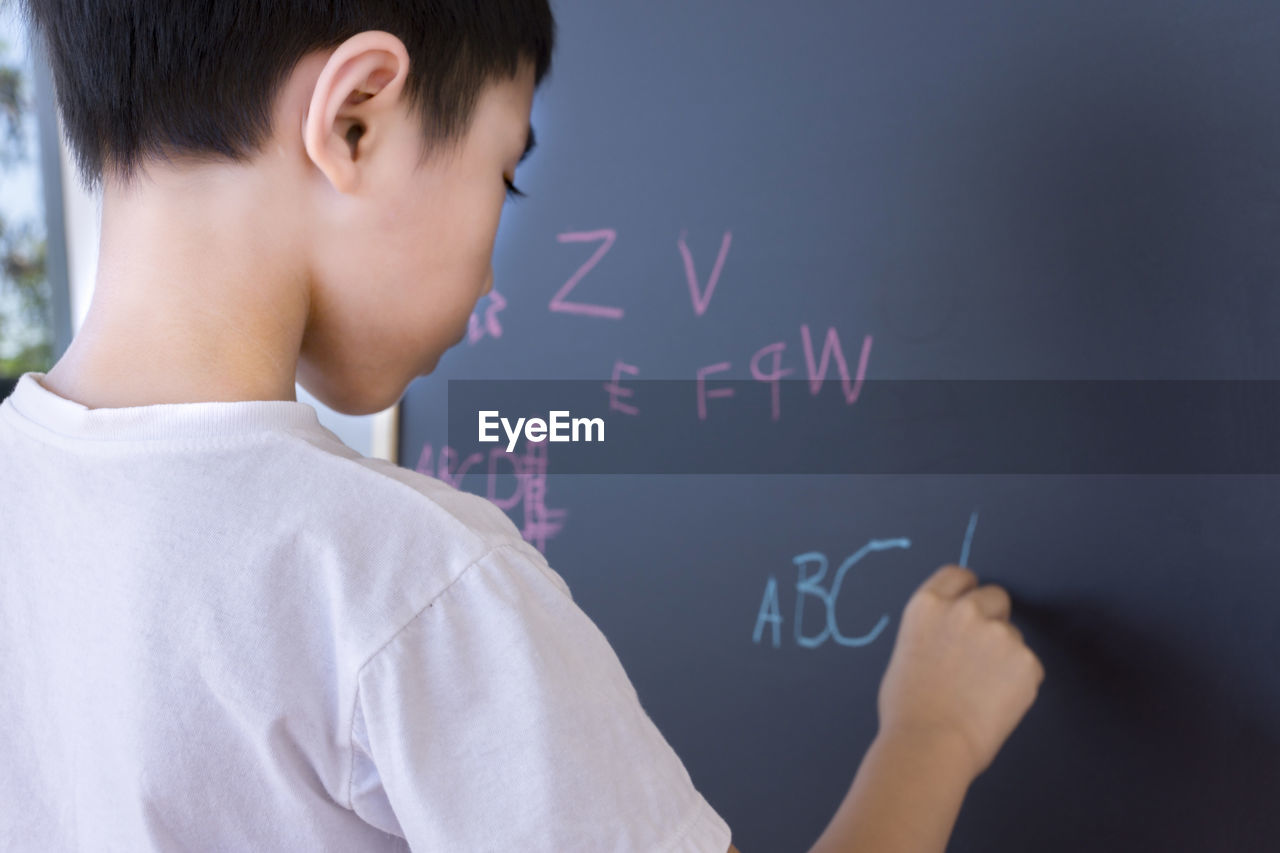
x: 389, y: 507
x: 425, y: 496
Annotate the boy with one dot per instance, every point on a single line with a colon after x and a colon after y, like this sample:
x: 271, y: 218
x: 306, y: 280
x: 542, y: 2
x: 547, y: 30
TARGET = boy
x: 222, y: 629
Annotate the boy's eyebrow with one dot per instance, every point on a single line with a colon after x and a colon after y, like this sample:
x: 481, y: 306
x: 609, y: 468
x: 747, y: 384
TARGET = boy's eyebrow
x: 529, y: 144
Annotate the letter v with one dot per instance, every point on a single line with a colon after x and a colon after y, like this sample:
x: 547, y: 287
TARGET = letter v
x: 701, y: 301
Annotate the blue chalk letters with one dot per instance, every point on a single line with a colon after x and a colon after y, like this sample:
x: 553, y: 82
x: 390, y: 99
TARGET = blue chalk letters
x: 809, y: 585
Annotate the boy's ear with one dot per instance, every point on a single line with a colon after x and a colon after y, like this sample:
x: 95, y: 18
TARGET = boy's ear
x: 355, y: 97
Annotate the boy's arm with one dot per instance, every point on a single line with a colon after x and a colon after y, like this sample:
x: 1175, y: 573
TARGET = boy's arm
x: 906, y: 797
x: 959, y: 680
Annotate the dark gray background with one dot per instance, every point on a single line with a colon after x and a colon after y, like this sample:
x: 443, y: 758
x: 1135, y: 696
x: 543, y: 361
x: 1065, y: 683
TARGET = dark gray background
x: 993, y: 190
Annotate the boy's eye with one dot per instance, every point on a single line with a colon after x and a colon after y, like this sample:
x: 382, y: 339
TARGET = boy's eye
x: 512, y: 191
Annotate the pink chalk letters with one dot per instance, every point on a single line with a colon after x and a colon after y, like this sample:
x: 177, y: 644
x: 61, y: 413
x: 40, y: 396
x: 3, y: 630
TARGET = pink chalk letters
x: 765, y: 365
x: 701, y: 300
x: 558, y: 302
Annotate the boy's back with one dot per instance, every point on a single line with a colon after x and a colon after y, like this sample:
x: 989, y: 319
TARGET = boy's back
x: 224, y: 629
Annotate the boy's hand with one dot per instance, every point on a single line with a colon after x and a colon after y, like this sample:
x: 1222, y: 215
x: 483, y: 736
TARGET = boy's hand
x: 959, y: 670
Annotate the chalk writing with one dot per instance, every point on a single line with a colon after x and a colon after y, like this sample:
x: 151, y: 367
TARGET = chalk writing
x: 832, y: 352
x: 703, y: 299
x: 809, y: 585
x: 558, y: 302
x: 770, y: 613
x: 968, y: 539
x: 490, y: 326
x: 774, y: 375
x: 449, y: 470
x: 540, y: 523
x: 704, y: 394
x: 831, y: 347
x: 615, y: 390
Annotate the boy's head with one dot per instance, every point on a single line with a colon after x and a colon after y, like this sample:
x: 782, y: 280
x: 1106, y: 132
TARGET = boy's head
x: 318, y: 177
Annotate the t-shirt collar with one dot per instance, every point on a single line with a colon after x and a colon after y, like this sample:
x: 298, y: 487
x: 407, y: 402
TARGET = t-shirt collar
x: 41, y: 409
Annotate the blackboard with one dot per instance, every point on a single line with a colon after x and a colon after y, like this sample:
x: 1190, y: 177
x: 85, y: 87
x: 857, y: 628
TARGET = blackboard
x: 960, y: 192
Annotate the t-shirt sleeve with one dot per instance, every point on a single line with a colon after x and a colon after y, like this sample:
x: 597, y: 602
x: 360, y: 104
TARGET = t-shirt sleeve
x: 500, y: 718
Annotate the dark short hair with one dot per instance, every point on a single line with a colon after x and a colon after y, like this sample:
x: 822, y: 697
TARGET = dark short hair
x: 198, y: 79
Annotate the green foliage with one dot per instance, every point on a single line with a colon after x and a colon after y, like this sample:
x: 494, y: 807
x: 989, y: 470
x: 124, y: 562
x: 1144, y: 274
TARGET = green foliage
x: 22, y: 270
x: 26, y: 321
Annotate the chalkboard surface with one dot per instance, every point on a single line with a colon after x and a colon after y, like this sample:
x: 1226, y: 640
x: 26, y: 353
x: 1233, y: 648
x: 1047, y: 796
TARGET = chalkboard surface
x: 989, y: 190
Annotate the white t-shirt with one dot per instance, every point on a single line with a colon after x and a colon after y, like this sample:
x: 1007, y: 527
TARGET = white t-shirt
x: 223, y: 629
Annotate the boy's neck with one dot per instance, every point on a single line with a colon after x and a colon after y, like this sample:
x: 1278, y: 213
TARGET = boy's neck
x: 197, y: 297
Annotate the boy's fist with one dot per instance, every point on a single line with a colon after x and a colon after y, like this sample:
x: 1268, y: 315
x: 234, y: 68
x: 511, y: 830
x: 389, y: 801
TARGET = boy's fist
x: 959, y: 669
